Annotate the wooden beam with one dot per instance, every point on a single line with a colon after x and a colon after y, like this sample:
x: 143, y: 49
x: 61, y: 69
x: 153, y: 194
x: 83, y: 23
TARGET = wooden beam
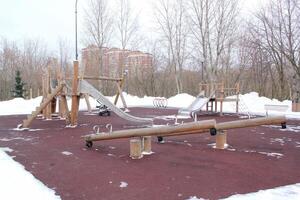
x: 44, y: 104
x: 156, y: 131
x: 251, y: 122
x: 103, y: 78
x: 237, y: 124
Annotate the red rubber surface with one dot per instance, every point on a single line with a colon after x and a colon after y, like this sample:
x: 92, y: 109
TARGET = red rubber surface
x: 183, y: 166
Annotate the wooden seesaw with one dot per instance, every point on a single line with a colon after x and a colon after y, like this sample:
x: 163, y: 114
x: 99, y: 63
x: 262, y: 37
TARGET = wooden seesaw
x: 137, y: 145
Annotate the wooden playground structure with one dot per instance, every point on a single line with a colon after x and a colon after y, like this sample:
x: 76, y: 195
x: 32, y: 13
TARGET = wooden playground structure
x: 217, y: 93
x: 55, y: 88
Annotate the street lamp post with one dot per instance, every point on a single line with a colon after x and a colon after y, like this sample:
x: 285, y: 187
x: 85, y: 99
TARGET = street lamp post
x: 76, y: 42
x: 202, y: 72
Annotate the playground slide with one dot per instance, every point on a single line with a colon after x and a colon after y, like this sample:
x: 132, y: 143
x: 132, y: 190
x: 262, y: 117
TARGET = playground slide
x: 196, y: 105
x: 85, y: 87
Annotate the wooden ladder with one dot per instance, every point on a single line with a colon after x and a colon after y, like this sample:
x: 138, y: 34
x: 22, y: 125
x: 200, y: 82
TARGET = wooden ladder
x: 26, y: 123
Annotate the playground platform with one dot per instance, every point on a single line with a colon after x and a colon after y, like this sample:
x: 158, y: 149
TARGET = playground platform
x: 257, y: 158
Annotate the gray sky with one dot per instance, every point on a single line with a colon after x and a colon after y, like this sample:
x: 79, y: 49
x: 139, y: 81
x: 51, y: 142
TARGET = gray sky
x: 49, y: 20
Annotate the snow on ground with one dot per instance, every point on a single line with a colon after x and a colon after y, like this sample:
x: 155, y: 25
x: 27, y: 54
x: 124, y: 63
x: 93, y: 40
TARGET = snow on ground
x: 17, y: 183
x: 290, y: 192
x: 255, y: 105
x: 67, y: 153
x: 19, y: 106
x: 14, y: 176
x: 123, y: 184
x: 250, y: 103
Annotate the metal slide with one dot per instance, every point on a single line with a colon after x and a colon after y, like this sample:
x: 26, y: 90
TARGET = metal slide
x: 85, y: 87
x: 196, y: 105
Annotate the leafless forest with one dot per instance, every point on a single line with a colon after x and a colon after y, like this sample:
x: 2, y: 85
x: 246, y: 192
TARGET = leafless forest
x: 193, y: 41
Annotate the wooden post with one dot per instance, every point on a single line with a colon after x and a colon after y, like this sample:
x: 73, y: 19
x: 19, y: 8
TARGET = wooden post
x: 136, y: 148
x: 75, y: 95
x: 147, y: 144
x: 295, y: 107
x: 87, y: 100
x: 221, y: 139
x: 120, y: 93
x: 66, y: 113
x: 237, y: 97
x: 53, y: 105
x: 221, y: 99
x: 30, y: 93
x: 61, y: 109
x: 48, y: 92
x: 216, y: 105
x: 44, y: 93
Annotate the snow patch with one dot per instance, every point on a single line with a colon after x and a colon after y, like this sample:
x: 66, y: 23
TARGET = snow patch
x: 66, y: 153
x: 291, y: 192
x: 6, y: 149
x: 20, y: 128
x: 14, y: 176
x: 195, y: 198
x: 277, y: 140
x: 123, y: 184
x: 276, y: 155
x: 225, y: 146
x: 147, y: 153
x: 170, y: 117
x: 16, y: 138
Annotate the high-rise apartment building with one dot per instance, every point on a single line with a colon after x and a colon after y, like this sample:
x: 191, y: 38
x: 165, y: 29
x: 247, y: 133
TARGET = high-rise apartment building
x: 111, y: 61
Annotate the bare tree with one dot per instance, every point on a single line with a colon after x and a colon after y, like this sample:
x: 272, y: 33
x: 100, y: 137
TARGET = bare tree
x: 98, y: 23
x: 127, y: 23
x: 64, y: 56
x: 29, y: 59
x: 99, y: 28
x: 127, y: 28
x: 277, y: 29
x: 171, y: 18
x: 213, y: 24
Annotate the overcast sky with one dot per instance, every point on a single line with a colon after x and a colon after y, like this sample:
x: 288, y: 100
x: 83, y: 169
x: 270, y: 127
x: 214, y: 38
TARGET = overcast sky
x: 49, y: 20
